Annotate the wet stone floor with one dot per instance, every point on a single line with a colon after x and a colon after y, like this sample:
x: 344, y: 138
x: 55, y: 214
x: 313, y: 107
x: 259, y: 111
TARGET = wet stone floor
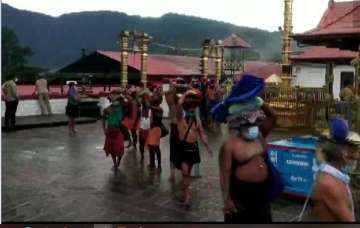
x: 48, y: 175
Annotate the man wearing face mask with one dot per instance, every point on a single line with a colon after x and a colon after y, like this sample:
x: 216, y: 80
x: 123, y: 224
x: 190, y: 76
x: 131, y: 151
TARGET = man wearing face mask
x: 244, y: 173
x: 11, y: 102
x: 189, y: 130
x: 332, y: 197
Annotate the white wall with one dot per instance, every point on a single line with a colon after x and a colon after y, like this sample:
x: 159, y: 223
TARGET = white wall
x: 310, y: 75
x: 32, y: 108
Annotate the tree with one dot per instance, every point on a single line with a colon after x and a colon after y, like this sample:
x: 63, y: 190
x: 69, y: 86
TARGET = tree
x: 13, y: 56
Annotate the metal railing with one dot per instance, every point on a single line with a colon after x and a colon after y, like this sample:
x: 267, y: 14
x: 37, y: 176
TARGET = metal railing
x: 310, y: 107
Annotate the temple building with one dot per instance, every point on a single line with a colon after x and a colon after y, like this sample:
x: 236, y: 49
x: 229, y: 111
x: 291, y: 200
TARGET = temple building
x: 337, y: 38
x: 310, y: 68
x: 160, y: 67
x: 339, y: 27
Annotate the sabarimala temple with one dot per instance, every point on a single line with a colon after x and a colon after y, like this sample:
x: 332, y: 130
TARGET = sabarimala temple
x: 334, y: 42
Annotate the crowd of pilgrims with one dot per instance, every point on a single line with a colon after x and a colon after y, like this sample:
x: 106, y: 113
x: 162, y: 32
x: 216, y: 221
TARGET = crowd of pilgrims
x: 135, y: 119
x: 248, y: 180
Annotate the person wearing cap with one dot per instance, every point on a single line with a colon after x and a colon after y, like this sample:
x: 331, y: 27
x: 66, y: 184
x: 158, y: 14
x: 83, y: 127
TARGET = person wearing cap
x: 72, y: 107
x: 11, y: 102
x: 42, y: 90
x: 244, y: 171
x: 190, y: 129
x: 332, y: 197
x: 113, y: 130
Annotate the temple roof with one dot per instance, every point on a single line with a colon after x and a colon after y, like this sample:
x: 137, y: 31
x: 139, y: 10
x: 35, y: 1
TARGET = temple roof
x: 324, y: 54
x: 235, y: 41
x: 338, y: 27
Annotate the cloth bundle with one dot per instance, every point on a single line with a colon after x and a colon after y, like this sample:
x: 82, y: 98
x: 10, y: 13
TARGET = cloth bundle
x: 247, y: 118
x: 242, y: 104
x: 246, y: 107
x: 192, y: 99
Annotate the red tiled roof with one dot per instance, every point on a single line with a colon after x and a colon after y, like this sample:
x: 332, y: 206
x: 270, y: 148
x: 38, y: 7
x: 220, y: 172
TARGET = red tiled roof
x: 323, y: 53
x: 171, y: 65
x: 339, y: 18
x: 262, y: 69
x: 234, y: 41
x: 174, y: 65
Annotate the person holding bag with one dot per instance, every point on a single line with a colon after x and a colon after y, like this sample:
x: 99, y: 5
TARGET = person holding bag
x: 249, y: 182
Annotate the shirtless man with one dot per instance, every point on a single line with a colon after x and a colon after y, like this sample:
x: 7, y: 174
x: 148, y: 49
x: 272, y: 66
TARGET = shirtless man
x: 243, y: 171
x: 332, y: 199
x: 190, y: 129
x: 175, y: 110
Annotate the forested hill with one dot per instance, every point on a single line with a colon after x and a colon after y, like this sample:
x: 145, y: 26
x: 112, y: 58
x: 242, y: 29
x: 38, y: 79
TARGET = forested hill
x: 57, y: 41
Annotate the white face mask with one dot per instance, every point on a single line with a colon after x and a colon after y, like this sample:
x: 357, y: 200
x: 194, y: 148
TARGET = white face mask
x: 16, y: 79
x: 251, y: 133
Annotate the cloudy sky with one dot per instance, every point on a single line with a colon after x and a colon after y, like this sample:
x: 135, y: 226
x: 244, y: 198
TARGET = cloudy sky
x: 263, y: 14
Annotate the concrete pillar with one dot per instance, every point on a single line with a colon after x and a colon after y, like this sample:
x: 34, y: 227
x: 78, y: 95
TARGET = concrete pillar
x: 124, y: 47
x: 329, y: 78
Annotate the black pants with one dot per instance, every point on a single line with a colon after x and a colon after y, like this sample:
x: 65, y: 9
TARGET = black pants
x: 134, y: 137
x: 155, y: 150
x: 10, y: 113
x: 125, y: 132
x: 142, y: 140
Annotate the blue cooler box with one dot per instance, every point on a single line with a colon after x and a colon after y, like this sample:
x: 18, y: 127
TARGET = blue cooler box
x: 295, y: 158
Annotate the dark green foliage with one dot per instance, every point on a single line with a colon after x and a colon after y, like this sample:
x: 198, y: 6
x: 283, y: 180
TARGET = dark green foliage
x: 13, y: 56
x: 57, y: 41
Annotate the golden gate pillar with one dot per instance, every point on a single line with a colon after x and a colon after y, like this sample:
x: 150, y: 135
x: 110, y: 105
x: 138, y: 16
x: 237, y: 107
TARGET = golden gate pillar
x: 205, y: 60
x: 218, y: 62
x: 286, y: 47
x: 145, y: 39
x: 124, y: 52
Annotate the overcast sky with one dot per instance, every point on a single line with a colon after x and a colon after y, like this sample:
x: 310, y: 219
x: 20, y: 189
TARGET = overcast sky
x: 263, y: 14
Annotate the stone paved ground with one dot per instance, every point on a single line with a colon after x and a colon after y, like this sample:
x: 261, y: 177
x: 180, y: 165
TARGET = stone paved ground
x: 49, y: 176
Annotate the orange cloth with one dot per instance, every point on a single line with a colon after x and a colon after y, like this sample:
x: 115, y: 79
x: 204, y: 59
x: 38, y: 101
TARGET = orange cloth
x: 154, y: 136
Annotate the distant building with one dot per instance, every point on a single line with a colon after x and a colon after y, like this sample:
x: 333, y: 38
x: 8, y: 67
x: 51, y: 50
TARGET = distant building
x: 309, y: 68
x: 160, y: 67
x: 339, y: 27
